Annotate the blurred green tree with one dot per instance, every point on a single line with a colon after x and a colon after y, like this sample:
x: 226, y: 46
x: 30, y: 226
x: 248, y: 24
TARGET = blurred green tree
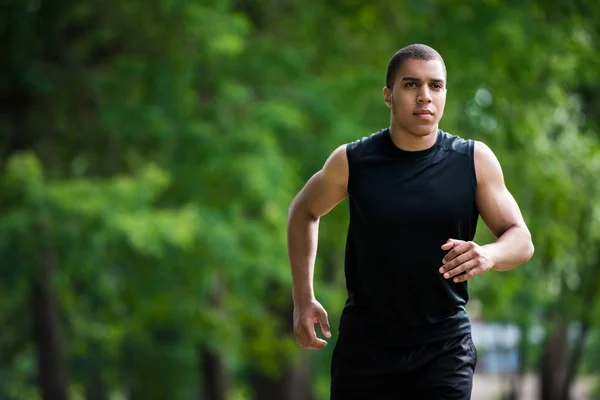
x: 151, y: 151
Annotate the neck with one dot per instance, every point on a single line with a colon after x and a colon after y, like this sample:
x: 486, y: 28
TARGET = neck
x: 408, y: 141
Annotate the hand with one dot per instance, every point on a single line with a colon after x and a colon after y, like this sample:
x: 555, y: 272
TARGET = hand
x: 465, y: 257
x: 305, y: 318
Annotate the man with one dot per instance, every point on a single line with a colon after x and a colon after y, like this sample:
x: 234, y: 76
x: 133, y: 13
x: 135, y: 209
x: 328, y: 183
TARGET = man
x: 415, y: 195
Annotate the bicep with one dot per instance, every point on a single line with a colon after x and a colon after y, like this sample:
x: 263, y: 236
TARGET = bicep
x: 497, y: 206
x: 327, y: 188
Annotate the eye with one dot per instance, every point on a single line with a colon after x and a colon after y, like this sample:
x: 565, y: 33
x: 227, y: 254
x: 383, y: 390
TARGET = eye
x: 437, y: 86
x: 411, y: 84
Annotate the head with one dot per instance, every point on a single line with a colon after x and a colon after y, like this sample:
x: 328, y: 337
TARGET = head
x: 415, y: 89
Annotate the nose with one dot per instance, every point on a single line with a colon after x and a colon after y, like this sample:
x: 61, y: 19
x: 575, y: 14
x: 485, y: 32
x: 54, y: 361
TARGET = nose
x: 424, y: 95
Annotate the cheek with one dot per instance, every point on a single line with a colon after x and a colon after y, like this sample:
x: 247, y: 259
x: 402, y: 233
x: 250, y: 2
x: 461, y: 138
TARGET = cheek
x: 440, y: 101
x: 402, y: 104
x: 442, y: 98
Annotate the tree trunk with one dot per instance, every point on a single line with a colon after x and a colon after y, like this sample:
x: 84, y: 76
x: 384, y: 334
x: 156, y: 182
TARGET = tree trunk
x: 576, y: 356
x: 214, y: 374
x: 590, y: 293
x: 52, y: 368
x: 553, y: 361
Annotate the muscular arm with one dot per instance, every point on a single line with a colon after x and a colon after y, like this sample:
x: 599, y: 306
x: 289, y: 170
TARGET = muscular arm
x: 501, y: 214
x: 323, y: 191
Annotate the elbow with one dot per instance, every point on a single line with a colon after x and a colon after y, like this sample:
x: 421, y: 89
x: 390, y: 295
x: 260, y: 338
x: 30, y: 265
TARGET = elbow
x: 530, y: 248
x: 527, y: 249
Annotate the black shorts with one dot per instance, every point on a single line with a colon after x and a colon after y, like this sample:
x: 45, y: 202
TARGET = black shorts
x: 435, y: 371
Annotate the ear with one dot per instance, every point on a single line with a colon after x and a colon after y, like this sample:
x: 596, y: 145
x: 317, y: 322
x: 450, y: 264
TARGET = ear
x: 387, y: 96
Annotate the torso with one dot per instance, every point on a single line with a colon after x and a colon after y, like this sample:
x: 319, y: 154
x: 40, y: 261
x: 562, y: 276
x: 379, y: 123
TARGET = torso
x: 403, y: 207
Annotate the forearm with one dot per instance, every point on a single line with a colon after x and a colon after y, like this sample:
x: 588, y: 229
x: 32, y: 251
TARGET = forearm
x: 513, y: 248
x: 302, y: 240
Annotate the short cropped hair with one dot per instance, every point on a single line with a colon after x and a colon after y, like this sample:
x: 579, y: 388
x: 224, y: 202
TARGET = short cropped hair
x: 413, y: 52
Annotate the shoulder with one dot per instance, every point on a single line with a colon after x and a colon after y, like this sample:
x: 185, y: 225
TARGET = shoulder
x: 335, y: 169
x: 484, y: 163
x: 338, y: 157
x: 455, y: 143
x: 487, y: 165
x: 365, y: 145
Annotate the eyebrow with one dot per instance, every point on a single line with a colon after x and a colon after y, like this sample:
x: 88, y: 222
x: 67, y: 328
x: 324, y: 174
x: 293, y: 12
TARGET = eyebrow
x: 412, y: 79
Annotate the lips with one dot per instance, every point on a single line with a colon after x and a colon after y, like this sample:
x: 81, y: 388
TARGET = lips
x: 424, y: 114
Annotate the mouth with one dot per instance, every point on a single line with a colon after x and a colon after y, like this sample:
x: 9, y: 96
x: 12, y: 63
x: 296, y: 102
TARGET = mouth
x: 423, y: 114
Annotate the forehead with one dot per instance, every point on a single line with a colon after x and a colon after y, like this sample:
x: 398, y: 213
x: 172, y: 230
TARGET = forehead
x: 422, y: 69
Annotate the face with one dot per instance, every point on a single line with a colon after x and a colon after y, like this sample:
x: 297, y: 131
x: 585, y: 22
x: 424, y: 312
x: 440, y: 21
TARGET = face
x: 418, y: 96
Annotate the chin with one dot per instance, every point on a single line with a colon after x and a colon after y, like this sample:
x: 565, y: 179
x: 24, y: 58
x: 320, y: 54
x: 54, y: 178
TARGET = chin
x: 423, y: 130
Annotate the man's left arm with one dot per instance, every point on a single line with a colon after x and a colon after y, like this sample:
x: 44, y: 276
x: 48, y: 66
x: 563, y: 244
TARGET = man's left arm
x: 502, y: 216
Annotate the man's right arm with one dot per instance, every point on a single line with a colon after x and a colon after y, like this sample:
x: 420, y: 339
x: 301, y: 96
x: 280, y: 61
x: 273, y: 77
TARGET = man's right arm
x: 323, y: 191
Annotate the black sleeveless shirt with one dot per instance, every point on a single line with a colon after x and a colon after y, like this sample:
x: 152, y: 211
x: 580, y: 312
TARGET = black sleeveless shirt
x: 404, y: 205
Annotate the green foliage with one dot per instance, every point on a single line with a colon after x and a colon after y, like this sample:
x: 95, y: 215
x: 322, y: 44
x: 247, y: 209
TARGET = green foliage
x: 157, y: 146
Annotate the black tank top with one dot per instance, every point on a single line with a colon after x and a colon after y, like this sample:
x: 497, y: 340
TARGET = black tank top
x: 404, y: 205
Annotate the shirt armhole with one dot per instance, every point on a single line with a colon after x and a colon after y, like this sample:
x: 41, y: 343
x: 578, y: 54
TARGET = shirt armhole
x: 348, y: 157
x: 471, y: 147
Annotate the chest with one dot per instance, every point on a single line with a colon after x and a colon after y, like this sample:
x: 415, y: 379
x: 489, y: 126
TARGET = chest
x: 417, y: 194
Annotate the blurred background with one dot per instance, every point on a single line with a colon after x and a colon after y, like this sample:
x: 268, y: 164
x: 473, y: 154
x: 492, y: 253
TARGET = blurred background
x: 149, y: 151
